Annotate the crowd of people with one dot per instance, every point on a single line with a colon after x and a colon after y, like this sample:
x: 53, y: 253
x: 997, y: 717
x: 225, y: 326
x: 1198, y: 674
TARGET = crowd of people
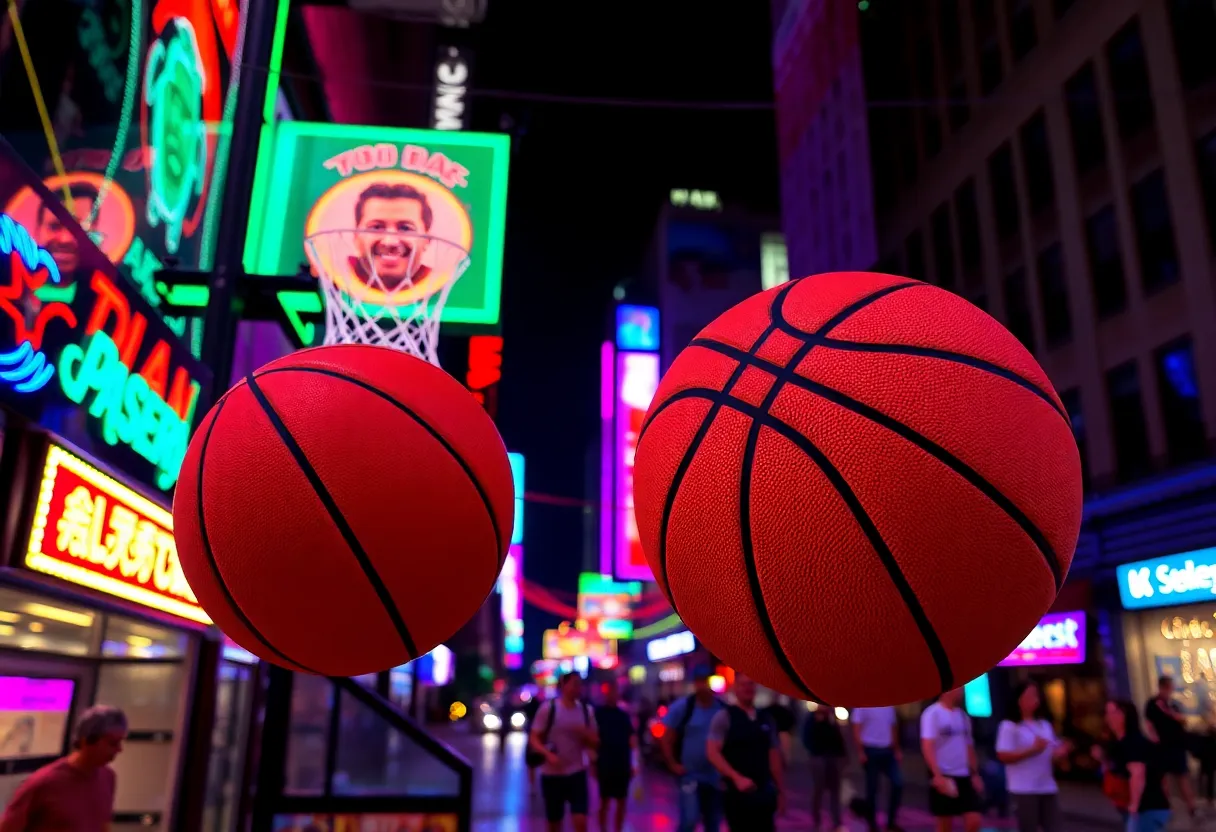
x: 728, y: 759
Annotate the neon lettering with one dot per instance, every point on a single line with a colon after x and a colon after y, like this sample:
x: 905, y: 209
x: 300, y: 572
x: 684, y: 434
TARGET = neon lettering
x: 413, y: 158
x: 130, y: 411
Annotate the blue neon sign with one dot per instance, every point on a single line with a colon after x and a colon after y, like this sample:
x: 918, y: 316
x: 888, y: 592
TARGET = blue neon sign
x: 1162, y: 582
x: 517, y: 477
x: 637, y: 328
x: 977, y: 697
x: 29, y: 266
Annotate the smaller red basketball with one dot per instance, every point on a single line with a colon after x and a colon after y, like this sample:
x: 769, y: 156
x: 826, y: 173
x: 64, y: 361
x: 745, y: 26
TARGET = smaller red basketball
x: 344, y: 510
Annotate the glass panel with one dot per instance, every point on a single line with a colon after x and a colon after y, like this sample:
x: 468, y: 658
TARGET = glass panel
x: 374, y: 758
x: 228, y: 737
x: 145, y: 772
x: 312, y: 699
x: 131, y: 639
x: 150, y: 694
x: 33, y: 622
x: 400, y: 683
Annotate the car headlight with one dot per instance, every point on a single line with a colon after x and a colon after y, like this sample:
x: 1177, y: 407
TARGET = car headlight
x: 491, y: 722
x: 518, y: 720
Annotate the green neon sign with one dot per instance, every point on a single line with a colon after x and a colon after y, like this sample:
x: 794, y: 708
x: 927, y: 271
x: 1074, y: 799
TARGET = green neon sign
x: 131, y: 413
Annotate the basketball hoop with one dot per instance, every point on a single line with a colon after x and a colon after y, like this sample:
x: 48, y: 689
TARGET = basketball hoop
x: 385, y: 288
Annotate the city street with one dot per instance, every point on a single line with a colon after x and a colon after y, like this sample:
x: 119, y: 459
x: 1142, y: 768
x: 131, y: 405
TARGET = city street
x: 502, y: 803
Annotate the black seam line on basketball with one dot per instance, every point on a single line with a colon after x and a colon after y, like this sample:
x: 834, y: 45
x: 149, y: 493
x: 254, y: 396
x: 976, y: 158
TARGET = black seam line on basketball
x: 335, y: 514
x: 778, y: 303
x: 214, y: 565
x: 438, y: 437
x: 707, y: 421
x: 788, y: 376
x: 936, y: 649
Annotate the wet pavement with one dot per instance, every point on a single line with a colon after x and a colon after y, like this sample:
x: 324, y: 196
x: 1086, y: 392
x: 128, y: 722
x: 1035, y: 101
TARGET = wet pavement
x: 503, y: 800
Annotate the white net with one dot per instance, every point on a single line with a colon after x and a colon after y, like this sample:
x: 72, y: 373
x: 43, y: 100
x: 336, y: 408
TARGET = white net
x: 385, y: 288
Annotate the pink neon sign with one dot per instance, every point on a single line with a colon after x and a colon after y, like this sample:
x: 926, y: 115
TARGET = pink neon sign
x: 511, y: 592
x: 607, y: 457
x: 637, y: 378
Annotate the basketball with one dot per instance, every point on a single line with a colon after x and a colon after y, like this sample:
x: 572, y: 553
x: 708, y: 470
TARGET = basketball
x: 344, y: 510
x: 858, y: 489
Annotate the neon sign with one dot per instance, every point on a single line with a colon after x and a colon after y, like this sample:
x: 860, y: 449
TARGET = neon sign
x: 173, y: 89
x: 1058, y: 638
x: 29, y: 266
x: 637, y: 380
x: 95, y: 532
x: 138, y: 409
x: 510, y: 581
x: 485, y: 370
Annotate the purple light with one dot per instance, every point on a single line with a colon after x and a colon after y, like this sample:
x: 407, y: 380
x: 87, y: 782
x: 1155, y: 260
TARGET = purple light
x: 1058, y: 638
x: 510, y: 588
x: 607, y: 410
x: 19, y: 693
x: 637, y: 381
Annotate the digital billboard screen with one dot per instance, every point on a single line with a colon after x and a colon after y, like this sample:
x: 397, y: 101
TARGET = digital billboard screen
x: 1058, y: 638
x: 637, y: 379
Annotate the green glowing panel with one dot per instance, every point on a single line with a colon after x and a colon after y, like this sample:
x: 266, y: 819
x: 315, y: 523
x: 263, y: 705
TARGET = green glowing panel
x: 312, y: 175
x: 296, y: 304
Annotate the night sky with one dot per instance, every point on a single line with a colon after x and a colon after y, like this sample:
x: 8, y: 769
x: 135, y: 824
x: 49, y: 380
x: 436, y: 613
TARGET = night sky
x: 585, y: 189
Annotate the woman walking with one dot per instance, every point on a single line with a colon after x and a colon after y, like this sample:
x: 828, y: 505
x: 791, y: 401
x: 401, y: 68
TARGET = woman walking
x: 1028, y: 746
x: 1132, y: 771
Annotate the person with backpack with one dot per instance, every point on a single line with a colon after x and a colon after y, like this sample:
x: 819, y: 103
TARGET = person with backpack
x: 745, y: 748
x: 562, y: 733
x: 683, y: 744
x: 614, y: 763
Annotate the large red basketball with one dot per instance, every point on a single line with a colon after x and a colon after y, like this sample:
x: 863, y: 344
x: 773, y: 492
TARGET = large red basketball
x: 343, y: 510
x: 858, y: 489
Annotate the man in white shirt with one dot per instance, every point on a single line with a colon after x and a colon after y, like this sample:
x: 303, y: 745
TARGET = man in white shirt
x: 949, y: 750
x: 876, y: 734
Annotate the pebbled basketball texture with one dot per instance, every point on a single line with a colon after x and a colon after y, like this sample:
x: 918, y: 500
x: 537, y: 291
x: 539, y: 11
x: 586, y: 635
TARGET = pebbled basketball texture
x: 343, y: 510
x: 858, y: 489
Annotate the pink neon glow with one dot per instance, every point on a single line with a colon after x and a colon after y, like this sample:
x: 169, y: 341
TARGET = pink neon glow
x: 607, y: 409
x: 638, y: 378
x: 19, y: 693
x: 510, y: 590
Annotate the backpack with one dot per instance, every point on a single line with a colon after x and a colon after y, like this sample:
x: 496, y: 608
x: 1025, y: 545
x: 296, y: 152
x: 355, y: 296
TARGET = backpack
x: 534, y: 758
x: 677, y: 741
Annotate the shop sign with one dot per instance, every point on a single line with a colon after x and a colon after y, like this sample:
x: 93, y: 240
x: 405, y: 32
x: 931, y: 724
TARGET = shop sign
x: 1177, y: 579
x: 1058, y: 638
x: 668, y: 647
x: 95, y: 532
x: 98, y: 367
x: 671, y: 673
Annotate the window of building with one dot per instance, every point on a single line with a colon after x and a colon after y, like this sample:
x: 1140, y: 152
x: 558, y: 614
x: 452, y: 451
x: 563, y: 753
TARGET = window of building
x: 1205, y: 157
x: 1154, y: 232
x: 1036, y: 155
x: 1127, y: 420
x: 1085, y: 119
x: 1194, y: 26
x: 943, y: 246
x: 970, y: 247
x: 1181, y: 412
x: 1017, y: 308
x: 1004, y: 191
x: 914, y: 249
x: 1023, y: 36
x: 1106, y: 263
x: 1129, y: 75
x: 1053, y: 295
x: 1071, y: 399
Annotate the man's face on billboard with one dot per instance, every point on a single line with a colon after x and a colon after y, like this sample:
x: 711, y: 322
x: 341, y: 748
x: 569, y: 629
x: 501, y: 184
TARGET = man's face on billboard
x: 57, y: 238
x: 392, y: 255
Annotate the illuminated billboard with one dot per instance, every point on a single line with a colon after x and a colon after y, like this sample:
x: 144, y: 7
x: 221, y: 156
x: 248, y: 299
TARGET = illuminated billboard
x: 568, y: 642
x: 1058, y: 638
x: 315, y: 177
x: 100, y: 369
x: 637, y: 328
x: 510, y: 580
x: 607, y: 604
x: 637, y: 379
x: 93, y: 531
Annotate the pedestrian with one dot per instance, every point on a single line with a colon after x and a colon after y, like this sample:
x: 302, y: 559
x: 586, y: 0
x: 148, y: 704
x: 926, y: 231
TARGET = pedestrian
x: 824, y: 742
x: 75, y: 792
x: 1206, y: 752
x: 1133, y: 776
x: 785, y: 719
x: 683, y: 745
x: 876, y: 734
x: 1027, y: 745
x: 533, y: 758
x: 563, y: 732
x: 615, y: 764
x: 744, y: 747
x: 949, y: 748
x: 1169, y: 730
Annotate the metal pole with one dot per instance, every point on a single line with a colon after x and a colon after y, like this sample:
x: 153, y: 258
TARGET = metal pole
x: 222, y: 315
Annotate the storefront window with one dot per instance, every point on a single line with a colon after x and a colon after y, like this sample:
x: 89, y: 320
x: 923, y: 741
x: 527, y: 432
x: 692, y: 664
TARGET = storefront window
x: 32, y: 622
x: 308, y: 738
x: 1179, y: 642
x: 130, y: 639
x: 232, y: 711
